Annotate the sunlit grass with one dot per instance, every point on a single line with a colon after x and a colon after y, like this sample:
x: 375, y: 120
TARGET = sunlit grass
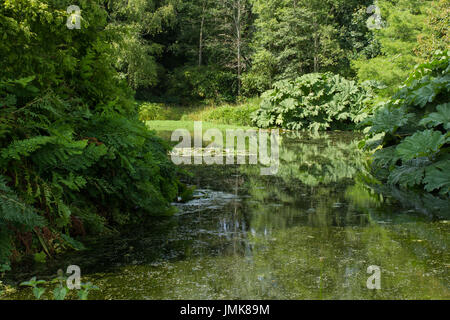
x: 227, y: 114
x: 170, y: 125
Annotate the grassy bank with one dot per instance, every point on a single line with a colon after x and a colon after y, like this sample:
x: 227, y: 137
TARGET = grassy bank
x: 225, y: 114
x: 171, y: 125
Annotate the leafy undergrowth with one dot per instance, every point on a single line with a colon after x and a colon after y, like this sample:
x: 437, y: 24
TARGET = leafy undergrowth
x: 410, y: 133
x: 316, y: 101
x: 74, y: 158
x: 227, y: 114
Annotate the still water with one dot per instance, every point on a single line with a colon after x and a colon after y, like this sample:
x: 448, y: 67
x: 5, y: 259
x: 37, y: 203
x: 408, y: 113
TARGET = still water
x: 309, y: 232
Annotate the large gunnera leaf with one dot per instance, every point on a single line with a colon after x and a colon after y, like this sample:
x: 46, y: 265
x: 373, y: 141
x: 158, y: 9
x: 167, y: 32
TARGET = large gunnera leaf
x: 409, y: 174
x: 442, y: 116
x: 420, y: 144
x: 437, y: 176
x: 386, y: 120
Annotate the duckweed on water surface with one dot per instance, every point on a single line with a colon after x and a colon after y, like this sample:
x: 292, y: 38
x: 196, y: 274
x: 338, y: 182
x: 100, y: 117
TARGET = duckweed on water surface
x: 310, y: 232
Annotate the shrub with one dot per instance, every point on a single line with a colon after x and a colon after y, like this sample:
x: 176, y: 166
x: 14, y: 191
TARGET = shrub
x: 410, y: 133
x: 316, y: 101
x: 240, y: 114
x: 151, y: 111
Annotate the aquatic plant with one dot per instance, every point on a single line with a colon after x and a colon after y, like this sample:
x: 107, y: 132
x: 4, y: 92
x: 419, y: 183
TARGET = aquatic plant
x: 60, y: 291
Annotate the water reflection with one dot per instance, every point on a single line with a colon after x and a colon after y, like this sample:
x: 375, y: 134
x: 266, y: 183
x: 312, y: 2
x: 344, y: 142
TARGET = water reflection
x: 309, y: 232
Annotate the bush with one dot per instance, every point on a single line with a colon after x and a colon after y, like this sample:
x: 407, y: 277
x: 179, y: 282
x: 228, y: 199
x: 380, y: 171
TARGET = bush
x: 74, y: 156
x: 261, y: 76
x: 240, y: 114
x: 410, y: 133
x: 316, y: 101
x: 151, y: 111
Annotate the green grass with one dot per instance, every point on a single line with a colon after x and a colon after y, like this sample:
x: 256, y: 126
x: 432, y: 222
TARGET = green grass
x: 225, y: 114
x: 171, y: 125
x: 239, y: 114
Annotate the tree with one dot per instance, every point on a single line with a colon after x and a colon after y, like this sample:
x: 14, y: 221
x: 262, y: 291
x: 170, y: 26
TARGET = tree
x: 136, y: 23
x: 229, y: 46
x: 404, y: 23
x: 295, y: 37
x: 436, y: 36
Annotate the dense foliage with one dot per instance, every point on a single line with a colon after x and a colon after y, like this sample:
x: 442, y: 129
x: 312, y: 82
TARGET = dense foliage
x: 293, y: 38
x: 410, y: 30
x: 192, y: 50
x: 193, y: 84
x: 74, y: 157
x: 314, y: 102
x: 134, y: 27
x: 185, y: 51
x: 410, y: 133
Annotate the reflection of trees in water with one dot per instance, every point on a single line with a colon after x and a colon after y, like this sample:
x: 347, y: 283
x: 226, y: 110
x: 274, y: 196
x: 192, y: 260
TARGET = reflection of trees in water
x: 315, y: 225
x: 319, y: 159
x: 426, y: 203
x: 314, y: 172
x: 311, y: 230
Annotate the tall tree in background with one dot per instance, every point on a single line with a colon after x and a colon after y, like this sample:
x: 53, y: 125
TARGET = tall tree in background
x: 218, y: 48
x: 230, y: 43
x: 137, y: 23
x: 294, y: 37
x: 437, y: 28
x: 404, y: 22
x: 195, y: 24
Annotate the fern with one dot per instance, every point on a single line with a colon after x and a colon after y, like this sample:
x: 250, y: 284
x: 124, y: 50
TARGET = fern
x: 14, y: 210
x: 71, y: 145
x: 25, y: 147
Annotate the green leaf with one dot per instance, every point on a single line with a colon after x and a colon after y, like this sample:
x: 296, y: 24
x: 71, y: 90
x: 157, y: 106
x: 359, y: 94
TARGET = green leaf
x: 5, y: 267
x: 83, y: 294
x: 38, y: 292
x: 437, y: 176
x: 424, y: 95
x: 74, y: 244
x: 442, y: 116
x: 420, y: 144
x: 407, y: 175
x: 289, y: 104
x: 30, y: 283
x: 386, y: 120
x: 25, y: 147
x: 385, y: 157
x: 40, y: 257
x: 59, y: 293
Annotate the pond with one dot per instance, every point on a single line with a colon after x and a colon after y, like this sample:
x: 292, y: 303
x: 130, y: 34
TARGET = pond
x: 309, y: 232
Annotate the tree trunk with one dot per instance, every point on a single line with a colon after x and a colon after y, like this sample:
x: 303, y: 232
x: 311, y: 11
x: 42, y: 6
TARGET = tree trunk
x: 316, y: 49
x: 200, y: 42
x: 238, y: 35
